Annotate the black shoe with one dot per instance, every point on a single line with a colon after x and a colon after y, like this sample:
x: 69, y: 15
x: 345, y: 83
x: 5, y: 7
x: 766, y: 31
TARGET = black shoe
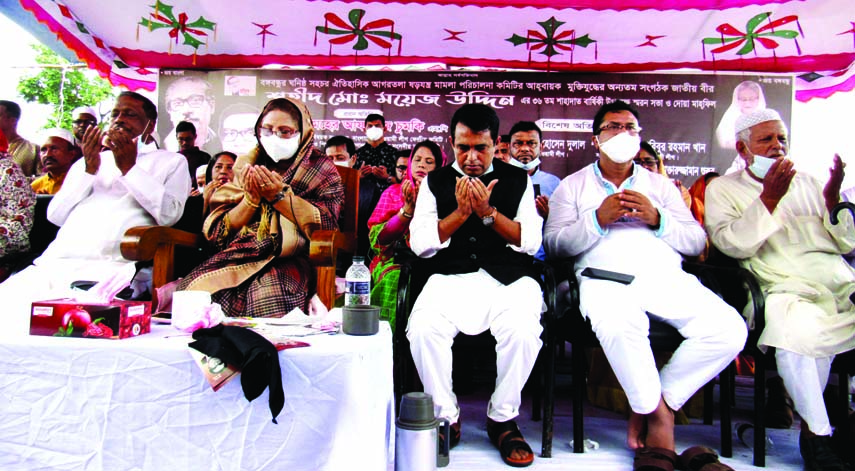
x: 818, y: 453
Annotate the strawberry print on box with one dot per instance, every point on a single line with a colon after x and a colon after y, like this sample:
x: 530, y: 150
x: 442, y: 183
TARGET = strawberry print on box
x: 70, y: 318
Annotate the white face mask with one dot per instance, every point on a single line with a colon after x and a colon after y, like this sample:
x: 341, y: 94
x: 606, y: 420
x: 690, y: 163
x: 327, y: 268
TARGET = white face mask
x: 342, y: 163
x: 373, y: 134
x: 621, y: 148
x: 527, y: 167
x: 280, y: 149
x: 761, y: 166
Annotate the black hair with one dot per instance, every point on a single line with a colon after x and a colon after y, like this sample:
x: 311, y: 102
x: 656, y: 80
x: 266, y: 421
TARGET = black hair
x: 375, y: 117
x: 12, y: 108
x: 209, y: 172
x: 345, y: 141
x: 148, y: 107
x: 434, y: 149
x: 525, y: 126
x: 645, y: 146
x: 185, y: 126
x: 617, y: 105
x: 505, y: 139
x: 478, y: 117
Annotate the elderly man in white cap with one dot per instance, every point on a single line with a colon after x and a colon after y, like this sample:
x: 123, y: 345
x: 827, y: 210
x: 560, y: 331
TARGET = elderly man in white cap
x: 775, y: 221
x: 83, y: 118
x: 57, y: 153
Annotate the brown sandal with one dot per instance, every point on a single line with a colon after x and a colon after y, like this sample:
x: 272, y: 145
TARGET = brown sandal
x: 654, y: 459
x: 506, y: 436
x: 701, y: 458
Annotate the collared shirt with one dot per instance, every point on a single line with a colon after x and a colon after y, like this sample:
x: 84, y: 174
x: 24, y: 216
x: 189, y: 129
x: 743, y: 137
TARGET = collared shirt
x: 47, y: 184
x: 424, y: 229
x: 94, y: 211
x: 547, y: 181
x: 628, y: 245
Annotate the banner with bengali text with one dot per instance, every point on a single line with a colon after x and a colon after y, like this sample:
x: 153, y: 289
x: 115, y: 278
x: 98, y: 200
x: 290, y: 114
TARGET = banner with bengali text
x: 688, y: 118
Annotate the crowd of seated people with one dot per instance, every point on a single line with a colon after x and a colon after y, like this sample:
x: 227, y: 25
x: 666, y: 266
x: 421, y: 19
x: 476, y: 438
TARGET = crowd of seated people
x: 477, y: 223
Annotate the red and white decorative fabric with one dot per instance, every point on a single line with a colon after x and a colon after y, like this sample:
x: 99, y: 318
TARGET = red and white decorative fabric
x: 123, y: 40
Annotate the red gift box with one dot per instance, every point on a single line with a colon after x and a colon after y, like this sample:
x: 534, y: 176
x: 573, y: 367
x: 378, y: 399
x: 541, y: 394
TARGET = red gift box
x: 71, y: 318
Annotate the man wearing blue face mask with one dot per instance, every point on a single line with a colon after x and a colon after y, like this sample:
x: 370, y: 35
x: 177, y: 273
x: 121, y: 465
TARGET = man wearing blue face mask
x: 775, y: 221
x: 525, y: 149
x: 616, y: 218
x: 526, y: 145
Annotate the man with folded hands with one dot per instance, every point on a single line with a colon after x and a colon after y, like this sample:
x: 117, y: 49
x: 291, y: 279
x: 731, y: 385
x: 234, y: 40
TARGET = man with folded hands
x: 122, y: 181
x: 776, y: 222
x: 616, y: 216
x: 476, y: 225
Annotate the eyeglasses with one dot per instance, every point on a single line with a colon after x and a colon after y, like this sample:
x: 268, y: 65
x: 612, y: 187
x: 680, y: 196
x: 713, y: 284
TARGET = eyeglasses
x: 631, y: 128
x: 280, y: 133
x: 401, y: 167
x: 647, y: 162
x: 232, y: 134
x: 193, y: 101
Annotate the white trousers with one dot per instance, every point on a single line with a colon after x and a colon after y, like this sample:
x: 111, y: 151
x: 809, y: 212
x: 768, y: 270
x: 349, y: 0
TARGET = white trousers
x: 714, y: 334
x: 805, y: 379
x: 471, y: 303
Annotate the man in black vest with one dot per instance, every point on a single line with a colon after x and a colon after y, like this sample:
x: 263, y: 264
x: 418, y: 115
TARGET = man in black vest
x: 476, y: 223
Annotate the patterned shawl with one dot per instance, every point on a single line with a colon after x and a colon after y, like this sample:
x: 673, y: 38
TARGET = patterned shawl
x: 314, y: 196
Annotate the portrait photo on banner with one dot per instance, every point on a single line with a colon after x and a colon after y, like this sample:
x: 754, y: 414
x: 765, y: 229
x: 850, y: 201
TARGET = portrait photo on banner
x: 687, y: 118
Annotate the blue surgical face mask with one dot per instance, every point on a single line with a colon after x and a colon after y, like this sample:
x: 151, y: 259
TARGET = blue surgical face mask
x: 761, y: 166
x: 142, y: 147
x: 527, y: 167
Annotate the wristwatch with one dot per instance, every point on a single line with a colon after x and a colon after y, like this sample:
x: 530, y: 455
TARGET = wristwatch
x: 489, y: 219
x: 279, y: 197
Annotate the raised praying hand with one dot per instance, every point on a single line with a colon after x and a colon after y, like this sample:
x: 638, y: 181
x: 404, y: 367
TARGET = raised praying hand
x: 831, y: 192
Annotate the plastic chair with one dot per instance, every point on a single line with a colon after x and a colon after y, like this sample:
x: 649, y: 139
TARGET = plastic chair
x: 412, y: 280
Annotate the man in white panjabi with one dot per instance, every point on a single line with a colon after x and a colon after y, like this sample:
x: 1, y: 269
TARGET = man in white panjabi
x: 131, y: 183
x: 614, y: 215
x: 775, y: 221
x: 476, y: 226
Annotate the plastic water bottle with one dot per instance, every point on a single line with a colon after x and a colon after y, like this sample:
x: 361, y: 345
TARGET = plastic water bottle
x: 357, y: 283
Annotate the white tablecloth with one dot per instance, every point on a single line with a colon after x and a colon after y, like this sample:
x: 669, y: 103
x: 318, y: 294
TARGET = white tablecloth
x: 141, y: 403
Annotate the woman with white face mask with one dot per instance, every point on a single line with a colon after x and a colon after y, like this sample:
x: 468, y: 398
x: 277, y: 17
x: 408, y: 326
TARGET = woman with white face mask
x: 261, y: 220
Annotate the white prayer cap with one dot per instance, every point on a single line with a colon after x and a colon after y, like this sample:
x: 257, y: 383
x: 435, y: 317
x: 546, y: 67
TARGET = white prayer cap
x: 63, y: 134
x: 756, y: 117
x: 84, y: 109
x: 200, y: 170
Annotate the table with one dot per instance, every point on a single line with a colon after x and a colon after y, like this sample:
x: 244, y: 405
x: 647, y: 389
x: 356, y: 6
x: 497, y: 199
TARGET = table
x: 141, y: 404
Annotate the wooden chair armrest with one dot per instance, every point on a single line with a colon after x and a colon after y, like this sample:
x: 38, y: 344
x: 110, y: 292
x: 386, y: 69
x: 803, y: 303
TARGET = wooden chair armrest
x: 157, y: 243
x: 323, y: 247
x: 142, y: 242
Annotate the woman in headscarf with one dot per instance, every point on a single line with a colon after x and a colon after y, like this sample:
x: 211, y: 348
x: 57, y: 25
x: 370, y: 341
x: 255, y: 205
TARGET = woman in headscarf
x: 390, y: 222
x: 261, y: 221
